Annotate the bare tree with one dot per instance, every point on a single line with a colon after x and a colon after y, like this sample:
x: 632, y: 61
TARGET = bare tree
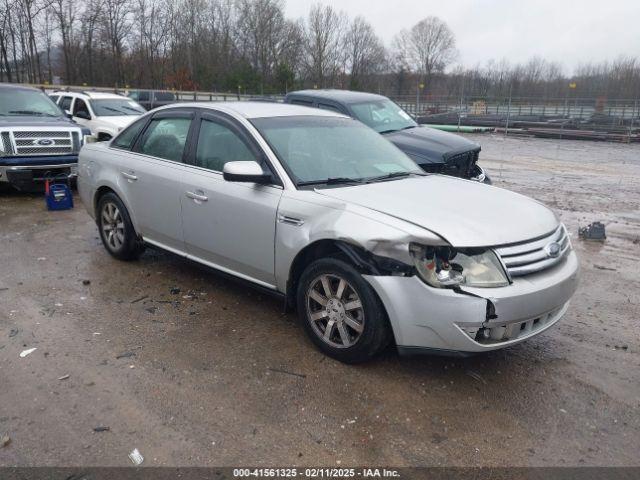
x: 365, y: 53
x: 323, y: 44
x: 116, y: 27
x: 65, y: 14
x: 428, y: 47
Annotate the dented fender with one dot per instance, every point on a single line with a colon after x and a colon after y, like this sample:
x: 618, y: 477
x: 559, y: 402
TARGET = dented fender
x: 305, y: 218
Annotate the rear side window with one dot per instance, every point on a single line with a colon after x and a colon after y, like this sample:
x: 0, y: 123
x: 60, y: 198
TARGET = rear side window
x: 306, y: 103
x: 166, y: 138
x: 128, y: 136
x: 65, y: 103
x: 55, y: 98
x: 218, y: 145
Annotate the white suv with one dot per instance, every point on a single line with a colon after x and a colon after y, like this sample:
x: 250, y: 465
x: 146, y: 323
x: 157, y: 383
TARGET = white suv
x: 105, y: 114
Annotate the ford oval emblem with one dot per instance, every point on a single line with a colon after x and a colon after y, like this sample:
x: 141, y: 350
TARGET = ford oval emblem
x: 553, y: 249
x: 44, y: 142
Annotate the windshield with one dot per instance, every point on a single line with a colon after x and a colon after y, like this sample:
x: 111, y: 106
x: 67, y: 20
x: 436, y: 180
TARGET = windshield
x: 327, y: 149
x: 14, y: 101
x: 111, y: 107
x: 383, y: 115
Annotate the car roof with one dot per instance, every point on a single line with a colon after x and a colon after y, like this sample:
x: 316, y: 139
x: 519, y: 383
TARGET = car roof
x: 88, y: 94
x: 344, y: 96
x: 258, y: 109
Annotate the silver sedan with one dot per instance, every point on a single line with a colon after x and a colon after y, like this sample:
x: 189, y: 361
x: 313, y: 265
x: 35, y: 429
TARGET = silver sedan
x: 321, y: 210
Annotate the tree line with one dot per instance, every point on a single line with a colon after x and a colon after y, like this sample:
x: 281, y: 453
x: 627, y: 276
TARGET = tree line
x: 250, y: 46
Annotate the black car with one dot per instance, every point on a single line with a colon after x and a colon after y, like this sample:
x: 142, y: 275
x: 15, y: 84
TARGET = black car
x: 37, y: 139
x: 150, y: 99
x: 434, y: 150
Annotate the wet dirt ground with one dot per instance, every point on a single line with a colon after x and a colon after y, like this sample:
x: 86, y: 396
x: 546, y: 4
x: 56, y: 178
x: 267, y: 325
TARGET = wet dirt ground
x: 215, y: 374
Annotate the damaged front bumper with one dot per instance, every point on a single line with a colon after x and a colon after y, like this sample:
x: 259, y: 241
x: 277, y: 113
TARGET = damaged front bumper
x: 472, y: 320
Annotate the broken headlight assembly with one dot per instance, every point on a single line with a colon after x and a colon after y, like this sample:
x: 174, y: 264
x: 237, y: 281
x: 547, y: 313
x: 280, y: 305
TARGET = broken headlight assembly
x: 447, y: 267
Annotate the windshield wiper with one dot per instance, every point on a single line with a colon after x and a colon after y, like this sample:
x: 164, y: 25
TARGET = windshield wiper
x: 330, y: 181
x: 132, y: 109
x: 392, y: 175
x: 114, y: 110
x: 30, y: 112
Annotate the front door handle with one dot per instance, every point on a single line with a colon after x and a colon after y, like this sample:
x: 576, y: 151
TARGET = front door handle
x: 129, y: 176
x: 197, y: 197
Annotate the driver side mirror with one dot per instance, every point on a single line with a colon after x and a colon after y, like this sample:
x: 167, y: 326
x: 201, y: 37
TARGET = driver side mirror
x: 245, y: 172
x: 83, y: 115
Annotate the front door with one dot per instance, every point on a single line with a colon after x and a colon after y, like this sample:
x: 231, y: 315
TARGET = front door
x: 231, y: 226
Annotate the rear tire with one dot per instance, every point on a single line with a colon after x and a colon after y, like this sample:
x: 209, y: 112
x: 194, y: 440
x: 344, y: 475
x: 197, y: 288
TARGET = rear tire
x: 341, y: 312
x: 116, y: 230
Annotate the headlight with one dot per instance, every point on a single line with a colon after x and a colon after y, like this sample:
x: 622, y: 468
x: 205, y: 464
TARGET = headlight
x: 443, y: 267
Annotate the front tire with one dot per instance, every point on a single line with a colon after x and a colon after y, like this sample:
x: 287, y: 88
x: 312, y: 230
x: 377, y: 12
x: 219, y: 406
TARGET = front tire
x: 340, y: 311
x: 116, y: 230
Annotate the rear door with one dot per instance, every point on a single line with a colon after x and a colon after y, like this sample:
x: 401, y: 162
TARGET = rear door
x: 151, y: 177
x: 229, y: 225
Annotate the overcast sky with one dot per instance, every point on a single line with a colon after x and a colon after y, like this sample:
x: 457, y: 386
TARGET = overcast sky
x: 567, y: 31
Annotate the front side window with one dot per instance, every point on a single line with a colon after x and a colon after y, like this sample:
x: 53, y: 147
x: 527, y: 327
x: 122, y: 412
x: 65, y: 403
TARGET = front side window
x: 128, y: 136
x: 166, y: 138
x: 321, y: 148
x: 16, y: 102
x: 217, y: 145
x: 383, y: 115
x: 80, y: 107
x: 116, y: 107
x: 65, y: 103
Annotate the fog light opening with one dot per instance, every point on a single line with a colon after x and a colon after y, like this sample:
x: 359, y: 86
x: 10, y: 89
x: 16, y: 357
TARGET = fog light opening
x: 483, y: 334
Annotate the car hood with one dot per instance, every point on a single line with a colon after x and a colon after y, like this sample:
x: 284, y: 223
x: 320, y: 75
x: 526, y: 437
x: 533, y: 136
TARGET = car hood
x: 118, y: 122
x: 429, y: 144
x: 35, y: 121
x: 465, y: 213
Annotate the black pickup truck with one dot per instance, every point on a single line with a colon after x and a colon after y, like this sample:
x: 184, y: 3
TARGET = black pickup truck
x: 434, y: 150
x: 37, y: 140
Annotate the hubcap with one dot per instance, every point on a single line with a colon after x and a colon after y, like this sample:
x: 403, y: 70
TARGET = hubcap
x: 335, y: 311
x: 112, y: 226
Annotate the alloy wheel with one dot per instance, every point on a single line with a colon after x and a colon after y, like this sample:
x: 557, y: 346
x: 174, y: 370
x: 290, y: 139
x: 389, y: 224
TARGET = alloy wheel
x: 112, y: 226
x: 335, y: 311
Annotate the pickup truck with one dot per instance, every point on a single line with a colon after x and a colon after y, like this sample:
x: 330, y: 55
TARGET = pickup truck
x: 37, y: 140
x: 150, y: 99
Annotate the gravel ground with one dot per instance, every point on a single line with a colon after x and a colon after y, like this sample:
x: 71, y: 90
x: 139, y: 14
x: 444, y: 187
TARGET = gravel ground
x: 216, y: 374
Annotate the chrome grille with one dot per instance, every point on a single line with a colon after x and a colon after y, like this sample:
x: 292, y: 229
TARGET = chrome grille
x: 7, y: 146
x: 41, y: 134
x: 532, y: 256
x: 25, y: 142
x: 56, y: 141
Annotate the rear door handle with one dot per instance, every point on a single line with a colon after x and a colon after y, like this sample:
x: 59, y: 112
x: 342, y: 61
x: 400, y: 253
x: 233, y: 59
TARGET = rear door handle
x: 197, y: 197
x: 129, y: 176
